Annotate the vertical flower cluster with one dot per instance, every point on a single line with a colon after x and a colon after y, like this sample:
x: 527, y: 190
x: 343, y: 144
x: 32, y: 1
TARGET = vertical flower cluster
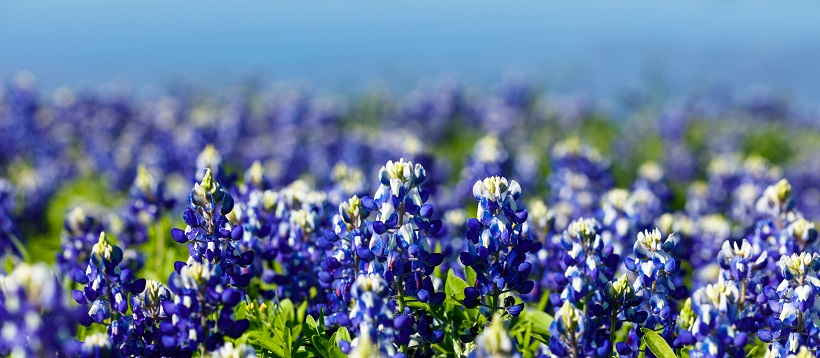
x: 498, y: 247
x: 590, y: 263
x: 795, y: 306
x: 656, y: 281
x: 107, y: 287
x: 399, y: 248
x: 373, y: 315
x: 209, y: 235
x: 782, y: 231
x: 36, y: 319
x: 567, y: 331
x: 139, y: 333
x: 348, y: 244
x: 201, y: 313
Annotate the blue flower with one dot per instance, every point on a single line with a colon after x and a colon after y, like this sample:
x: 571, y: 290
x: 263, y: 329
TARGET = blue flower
x: 35, y: 315
x: 498, y: 247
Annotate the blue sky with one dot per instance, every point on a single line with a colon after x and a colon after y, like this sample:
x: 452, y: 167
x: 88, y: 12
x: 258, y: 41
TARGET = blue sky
x: 597, y: 46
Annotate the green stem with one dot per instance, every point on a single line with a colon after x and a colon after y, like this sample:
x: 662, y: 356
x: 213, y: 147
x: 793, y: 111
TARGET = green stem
x: 613, y: 320
x: 496, y: 298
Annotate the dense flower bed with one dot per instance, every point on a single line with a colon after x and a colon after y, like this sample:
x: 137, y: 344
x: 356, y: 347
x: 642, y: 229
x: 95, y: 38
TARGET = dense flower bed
x: 510, y: 224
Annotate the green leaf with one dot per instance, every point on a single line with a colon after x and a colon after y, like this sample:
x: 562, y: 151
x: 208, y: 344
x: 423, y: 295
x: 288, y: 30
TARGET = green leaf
x: 341, y: 334
x: 540, y: 322
x: 470, y: 274
x: 272, y: 344
x: 454, y: 287
x: 657, y: 344
x: 321, y: 343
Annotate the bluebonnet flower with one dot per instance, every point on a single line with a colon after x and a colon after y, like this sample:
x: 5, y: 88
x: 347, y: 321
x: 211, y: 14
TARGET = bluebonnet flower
x: 139, y: 333
x: 201, y: 313
x: 497, y: 247
x: 590, y: 264
x: 589, y: 259
x: 35, y: 317
x: 399, y: 248
x: 80, y: 234
x: 567, y: 331
x: 494, y: 341
x: 373, y: 315
x: 348, y: 244
x: 254, y: 211
x: 796, y: 310
x: 620, y: 304
x: 721, y: 318
x: 625, y: 213
x: 105, y: 296
x: 548, y: 271
x: 651, y: 305
x: 783, y: 230
x: 208, y: 234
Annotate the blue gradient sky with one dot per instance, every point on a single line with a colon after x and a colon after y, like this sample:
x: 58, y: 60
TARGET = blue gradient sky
x: 598, y: 46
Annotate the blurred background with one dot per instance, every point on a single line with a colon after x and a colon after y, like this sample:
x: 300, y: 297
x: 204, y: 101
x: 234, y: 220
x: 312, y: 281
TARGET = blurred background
x: 710, y: 94
x: 598, y: 46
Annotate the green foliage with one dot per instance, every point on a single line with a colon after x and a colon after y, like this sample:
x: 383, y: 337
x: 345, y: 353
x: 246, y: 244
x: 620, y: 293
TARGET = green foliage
x: 321, y: 344
x: 530, y: 330
x: 274, y: 329
x: 657, y: 344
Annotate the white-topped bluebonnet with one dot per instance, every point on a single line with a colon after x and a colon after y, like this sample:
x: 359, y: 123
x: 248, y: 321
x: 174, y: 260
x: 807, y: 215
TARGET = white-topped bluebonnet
x: 795, y: 306
x: 497, y: 247
x: 656, y: 283
x: 567, y: 332
x: 107, y: 287
x: 399, y: 248
x: 209, y: 235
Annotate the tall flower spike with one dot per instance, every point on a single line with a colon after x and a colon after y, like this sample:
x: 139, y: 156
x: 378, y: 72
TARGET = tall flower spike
x: 656, y: 283
x: 209, y: 235
x: 497, y: 248
x: 567, y: 331
x: 107, y: 287
x: 399, y: 248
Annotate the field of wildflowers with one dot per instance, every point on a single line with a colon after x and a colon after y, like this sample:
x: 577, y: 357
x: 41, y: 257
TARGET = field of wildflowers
x: 445, y: 223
